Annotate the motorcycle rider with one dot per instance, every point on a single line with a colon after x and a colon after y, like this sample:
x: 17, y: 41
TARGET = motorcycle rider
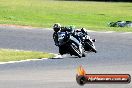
x: 57, y: 27
x: 71, y: 30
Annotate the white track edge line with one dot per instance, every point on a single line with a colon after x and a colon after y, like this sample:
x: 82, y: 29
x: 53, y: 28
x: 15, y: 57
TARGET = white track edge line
x: 28, y: 60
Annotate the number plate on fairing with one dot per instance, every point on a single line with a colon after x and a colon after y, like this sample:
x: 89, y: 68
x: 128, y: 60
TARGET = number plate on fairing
x: 61, y: 35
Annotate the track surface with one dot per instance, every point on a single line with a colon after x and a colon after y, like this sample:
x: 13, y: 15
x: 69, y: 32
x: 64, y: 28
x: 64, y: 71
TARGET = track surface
x: 114, y: 56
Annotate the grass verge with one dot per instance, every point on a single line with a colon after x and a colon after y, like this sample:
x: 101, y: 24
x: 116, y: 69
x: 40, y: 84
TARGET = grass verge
x: 43, y: 13
x: 16, y: 55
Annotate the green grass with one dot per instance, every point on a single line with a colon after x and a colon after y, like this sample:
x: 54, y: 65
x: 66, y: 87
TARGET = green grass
x: 43, y: 13
x: 15, y: 55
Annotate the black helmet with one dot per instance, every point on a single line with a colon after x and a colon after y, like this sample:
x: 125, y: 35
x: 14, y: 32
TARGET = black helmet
x: 72, y: 28
x: 83, y: 30
x: 56, y: 27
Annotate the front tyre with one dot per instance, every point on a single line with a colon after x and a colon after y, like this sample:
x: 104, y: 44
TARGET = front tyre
x: 91, y: 46
x: 75, y: 50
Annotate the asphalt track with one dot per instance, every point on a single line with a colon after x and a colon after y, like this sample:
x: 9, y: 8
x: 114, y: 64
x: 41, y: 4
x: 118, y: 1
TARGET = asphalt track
x: 114, y: 56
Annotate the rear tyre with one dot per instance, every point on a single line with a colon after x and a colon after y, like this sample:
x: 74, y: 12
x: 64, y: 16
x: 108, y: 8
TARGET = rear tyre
x: 83, y: 55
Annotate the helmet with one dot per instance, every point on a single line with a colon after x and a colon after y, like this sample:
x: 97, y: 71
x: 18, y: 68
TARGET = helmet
x: 56, y: 27
x: 72, y: 28
x: 83, y: 30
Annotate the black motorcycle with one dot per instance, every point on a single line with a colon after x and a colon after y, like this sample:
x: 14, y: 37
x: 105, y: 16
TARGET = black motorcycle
x: 69, y: 45
x: 87, y: 42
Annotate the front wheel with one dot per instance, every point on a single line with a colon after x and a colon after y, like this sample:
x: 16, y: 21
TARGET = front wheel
x: 91, y: 46
x: 76, y: 50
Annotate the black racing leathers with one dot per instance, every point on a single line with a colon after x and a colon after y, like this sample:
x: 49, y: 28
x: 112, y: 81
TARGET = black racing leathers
x: 55, y: 37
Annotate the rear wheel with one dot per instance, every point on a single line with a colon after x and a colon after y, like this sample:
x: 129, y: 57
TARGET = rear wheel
x: 83, y: 55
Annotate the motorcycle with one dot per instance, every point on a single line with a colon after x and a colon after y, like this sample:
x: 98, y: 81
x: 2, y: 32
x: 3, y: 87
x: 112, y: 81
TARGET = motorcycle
x: 69, y: 45
x: 87, y: 42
